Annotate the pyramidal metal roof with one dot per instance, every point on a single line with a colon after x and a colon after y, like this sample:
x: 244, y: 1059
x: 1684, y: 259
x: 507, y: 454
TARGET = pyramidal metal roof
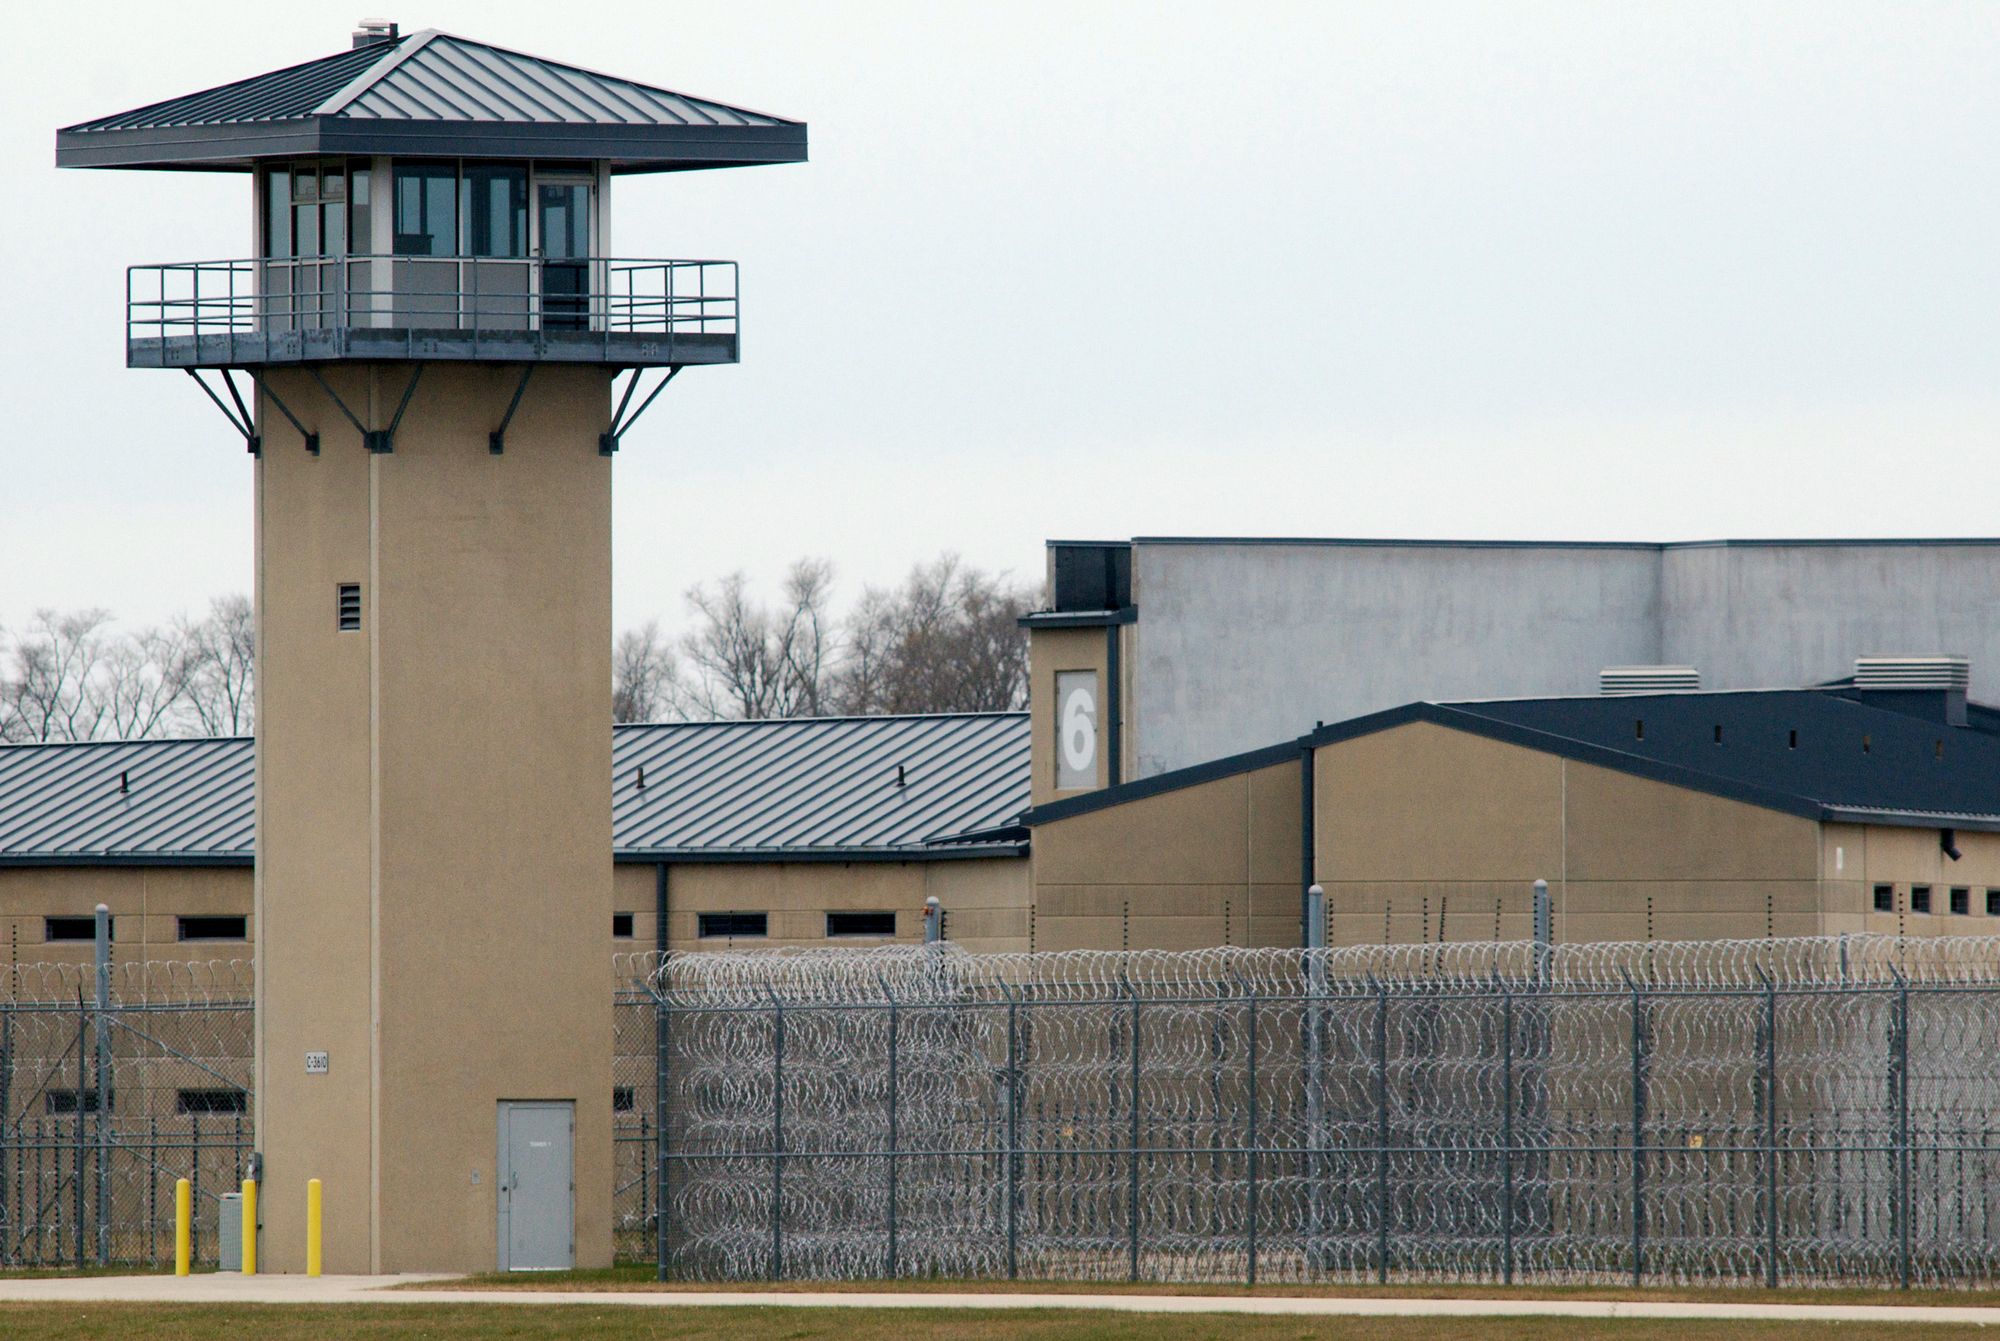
x: 824, y: 788
x: 434, y: 93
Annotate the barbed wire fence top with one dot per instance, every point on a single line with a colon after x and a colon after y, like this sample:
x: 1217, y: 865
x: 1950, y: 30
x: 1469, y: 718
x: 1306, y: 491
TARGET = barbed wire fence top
x: 1814, y: 1110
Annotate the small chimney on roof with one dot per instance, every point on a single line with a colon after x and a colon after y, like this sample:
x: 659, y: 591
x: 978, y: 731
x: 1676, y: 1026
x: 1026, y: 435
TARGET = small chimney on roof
x: 1927, y: 686
x: 375, y: 32
x: 1617, y: 681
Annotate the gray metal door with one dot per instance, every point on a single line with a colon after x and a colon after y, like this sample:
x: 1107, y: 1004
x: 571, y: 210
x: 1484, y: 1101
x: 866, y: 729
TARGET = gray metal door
x: 536, y: 1187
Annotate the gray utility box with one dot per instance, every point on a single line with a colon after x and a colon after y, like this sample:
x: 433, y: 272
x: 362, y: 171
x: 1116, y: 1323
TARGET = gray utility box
x: 229, y: 1232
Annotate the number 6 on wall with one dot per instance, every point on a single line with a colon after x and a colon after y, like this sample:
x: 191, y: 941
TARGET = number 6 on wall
x: 1076, y: 729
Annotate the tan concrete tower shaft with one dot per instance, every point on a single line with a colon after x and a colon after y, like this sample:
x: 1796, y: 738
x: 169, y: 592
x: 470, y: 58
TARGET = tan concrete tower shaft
x: 434, y: 810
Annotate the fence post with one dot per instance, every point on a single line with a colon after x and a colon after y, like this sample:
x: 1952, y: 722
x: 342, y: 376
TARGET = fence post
x: 194, y: 1182
x: 894, y: 1027
x: 1506, y: 1133
x: 1770, y: 1130
x: 661, y: 1148
x: 1013, y: 1134
x: 1250, y: 1275
x: 1133, y: 1189
x: 1899, y: 1070
x: 103, y: 1068
x: 6, y: 1107
x: 1382, y: 1132
x: 82, y: 1101
x: 777, y: 1137
x: 1638, y: 1133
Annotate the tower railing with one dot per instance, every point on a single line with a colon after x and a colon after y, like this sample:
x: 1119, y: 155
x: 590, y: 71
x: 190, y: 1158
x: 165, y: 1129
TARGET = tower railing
x: 222, y: 313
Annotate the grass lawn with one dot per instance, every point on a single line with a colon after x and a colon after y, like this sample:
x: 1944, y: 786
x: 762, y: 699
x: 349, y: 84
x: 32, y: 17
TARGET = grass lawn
x: 397, y: 1322
x: 641, y: 1278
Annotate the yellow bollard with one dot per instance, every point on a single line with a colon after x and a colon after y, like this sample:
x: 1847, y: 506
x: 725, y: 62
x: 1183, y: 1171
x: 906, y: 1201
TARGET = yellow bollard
x: 249, y: 1226
x: 312, y: 1227
x: 183, y: 1226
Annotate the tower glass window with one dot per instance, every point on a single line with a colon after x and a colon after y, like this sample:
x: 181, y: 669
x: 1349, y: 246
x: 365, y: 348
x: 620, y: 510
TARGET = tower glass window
x: 278, y: 214
x: 426, y: 209
x: 494, y: 200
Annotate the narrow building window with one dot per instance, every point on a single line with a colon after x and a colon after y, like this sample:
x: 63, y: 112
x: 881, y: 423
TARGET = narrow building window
x: 349, y: 607
x: 860, y: 924
x: 1961, y: 900
x: 1885, y: 898
x: 74, y: 928
x: 211, y: 1101
x: 214, y: 928
x: 1920, y: 898
x: 621, y: 926
x: 622, y: 1100
x: 1718, y: 733
x: 1794, y: 742
x: 1993, y: 903
x: 1867, y: 745
x: 62, y: 1103
x: 1639, y: 729
x: 712, y: 926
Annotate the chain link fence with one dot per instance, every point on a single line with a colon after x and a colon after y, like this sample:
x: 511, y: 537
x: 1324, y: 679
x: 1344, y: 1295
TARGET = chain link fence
x: 115, y: 1081
x: 1782, y: 1112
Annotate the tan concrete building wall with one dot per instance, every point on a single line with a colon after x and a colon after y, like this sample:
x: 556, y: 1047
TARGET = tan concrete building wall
x: 146, y: 903
x: 1051, y: 651
x: 1906, y: 860
x: 1212, y: 864
x: 985, y: 900
x: 434, y: 898
x: 1426, y: 833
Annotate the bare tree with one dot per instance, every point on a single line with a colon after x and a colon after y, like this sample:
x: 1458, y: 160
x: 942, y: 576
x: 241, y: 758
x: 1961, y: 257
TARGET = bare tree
x: 645, y: 680
x: 947, y: 640
x: 48, y: 689
x: 745, y: 659
x: 141, y: 680
x: 220, y: 694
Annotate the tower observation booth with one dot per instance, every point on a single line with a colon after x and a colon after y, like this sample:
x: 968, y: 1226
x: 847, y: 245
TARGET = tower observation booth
x: 422, y: 351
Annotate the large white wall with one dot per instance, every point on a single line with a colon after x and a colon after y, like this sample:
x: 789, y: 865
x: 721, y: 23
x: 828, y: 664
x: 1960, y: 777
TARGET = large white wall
x: 1243, y: 644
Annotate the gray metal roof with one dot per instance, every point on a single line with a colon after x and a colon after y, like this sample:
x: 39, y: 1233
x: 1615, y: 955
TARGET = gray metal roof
x: 826, y: 784
x: 819, y: 788
x: 434, y: 93
x: 158, y: 799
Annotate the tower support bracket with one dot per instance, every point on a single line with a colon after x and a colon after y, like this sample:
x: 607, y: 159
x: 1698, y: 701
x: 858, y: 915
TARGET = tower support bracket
x: 496, y: 441
x: 239, y: 418
x: 311, y: 438
x: 378, y: 440
x: 607, y: 442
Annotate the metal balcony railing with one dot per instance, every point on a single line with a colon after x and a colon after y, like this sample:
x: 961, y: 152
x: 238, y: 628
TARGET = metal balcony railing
x: 604, y: 309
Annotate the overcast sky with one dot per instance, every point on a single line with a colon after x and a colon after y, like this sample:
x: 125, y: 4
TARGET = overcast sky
x: 1093, y: 270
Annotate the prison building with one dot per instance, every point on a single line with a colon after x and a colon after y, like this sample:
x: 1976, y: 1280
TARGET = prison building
x: 1867, y: 806
x: 830, y: 830
x: 1205, y: 647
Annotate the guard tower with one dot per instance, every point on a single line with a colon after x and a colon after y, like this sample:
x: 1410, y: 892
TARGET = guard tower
x: 431, y: 334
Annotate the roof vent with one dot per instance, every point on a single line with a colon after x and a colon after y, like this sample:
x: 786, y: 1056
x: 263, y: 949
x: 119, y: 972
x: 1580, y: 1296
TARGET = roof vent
x: 1913, y: 673
x: 375, y: 32
x: 1615, y: 681
x: 1931, y: 687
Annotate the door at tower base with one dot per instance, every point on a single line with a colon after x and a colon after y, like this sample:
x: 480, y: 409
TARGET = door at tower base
x: 536, y: 1187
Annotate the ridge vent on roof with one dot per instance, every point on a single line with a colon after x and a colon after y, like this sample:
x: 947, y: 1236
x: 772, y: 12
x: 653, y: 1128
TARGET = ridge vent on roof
x: 1945, y: 673
x: 1614, y: 681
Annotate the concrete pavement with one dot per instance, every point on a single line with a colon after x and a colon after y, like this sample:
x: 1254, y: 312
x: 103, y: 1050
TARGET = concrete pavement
x: 234, y: 1289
